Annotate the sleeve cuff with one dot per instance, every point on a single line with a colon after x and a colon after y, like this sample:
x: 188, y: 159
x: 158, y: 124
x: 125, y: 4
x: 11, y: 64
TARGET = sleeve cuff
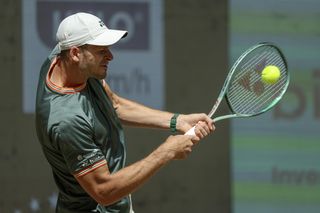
x: 90, y: 168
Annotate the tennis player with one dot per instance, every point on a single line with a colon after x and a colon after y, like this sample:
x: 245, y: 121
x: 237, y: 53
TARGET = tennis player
x: 79, y: 123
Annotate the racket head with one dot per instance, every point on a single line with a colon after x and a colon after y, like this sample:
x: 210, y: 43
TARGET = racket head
x: 245, y: 92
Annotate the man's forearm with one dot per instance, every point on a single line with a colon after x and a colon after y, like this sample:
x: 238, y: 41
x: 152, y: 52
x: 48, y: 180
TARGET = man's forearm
x: 135, y: 114
x: 125, y: 181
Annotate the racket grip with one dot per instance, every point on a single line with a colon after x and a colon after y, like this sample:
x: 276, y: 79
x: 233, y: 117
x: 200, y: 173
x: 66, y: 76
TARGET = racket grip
x: 191, y: 131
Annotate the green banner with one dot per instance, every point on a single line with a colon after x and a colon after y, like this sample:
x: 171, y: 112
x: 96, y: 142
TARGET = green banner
x: 276, y: 156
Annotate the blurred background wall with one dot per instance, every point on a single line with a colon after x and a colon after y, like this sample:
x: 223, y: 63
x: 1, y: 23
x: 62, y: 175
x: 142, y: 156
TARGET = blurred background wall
x: 188, y: 48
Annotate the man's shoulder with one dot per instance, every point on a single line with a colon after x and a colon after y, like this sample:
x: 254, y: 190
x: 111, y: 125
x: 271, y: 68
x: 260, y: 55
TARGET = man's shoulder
x: 70, y: 107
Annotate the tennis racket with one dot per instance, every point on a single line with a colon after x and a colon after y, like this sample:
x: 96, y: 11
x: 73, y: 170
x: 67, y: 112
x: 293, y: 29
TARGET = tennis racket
x: 245, y: 92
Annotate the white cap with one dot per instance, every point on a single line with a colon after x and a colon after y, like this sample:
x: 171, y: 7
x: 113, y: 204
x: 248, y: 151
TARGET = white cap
x: 83, y: 28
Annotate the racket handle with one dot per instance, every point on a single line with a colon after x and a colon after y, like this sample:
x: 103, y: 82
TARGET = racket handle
x: 191, y: 131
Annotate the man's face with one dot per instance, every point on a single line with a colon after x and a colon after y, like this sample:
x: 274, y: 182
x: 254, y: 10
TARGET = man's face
x: 94, y: 61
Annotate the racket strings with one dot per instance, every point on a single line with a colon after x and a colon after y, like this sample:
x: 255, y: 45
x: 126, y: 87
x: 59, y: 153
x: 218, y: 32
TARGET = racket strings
x: 240, y: 105
x: 252, y: 64
x: 247, y: 94
x: 252, y: 106
x: 245, y: 104
x: 245, y: 78
x: 255, y: 80
x: 256, y: 106
x: 263, y: 103
x: 247, y: 67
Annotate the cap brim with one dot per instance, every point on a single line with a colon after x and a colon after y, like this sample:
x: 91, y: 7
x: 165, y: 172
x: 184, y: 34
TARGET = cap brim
x: 56, y: 50
x: 109, y: 37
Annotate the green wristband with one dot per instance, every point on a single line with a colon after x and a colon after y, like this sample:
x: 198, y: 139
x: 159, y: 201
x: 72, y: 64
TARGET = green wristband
x: 173, y: 122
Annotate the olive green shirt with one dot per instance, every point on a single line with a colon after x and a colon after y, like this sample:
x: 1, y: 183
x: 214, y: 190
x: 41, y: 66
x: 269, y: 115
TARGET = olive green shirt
x: 79, y: 131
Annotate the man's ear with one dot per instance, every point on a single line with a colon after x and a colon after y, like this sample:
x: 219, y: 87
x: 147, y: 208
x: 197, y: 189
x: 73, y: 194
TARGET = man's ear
x: 74, y: 53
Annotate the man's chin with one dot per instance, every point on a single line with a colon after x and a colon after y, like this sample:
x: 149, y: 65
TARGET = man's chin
x: 102, y: 75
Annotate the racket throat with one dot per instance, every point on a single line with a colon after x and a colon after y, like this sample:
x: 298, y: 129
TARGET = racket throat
x: 215, y: 106
x: 228, y: 116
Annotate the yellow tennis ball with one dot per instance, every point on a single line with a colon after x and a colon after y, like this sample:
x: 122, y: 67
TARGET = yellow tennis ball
x: 270, y: 74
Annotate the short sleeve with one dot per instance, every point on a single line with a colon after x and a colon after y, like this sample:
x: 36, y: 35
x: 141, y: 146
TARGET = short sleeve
x: 74, y: 139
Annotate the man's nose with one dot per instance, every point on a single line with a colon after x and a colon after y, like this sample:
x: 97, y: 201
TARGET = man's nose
x: 109, y: 55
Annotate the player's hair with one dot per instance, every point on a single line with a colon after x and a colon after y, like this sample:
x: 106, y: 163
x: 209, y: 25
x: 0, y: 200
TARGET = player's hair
x: 64, y: 54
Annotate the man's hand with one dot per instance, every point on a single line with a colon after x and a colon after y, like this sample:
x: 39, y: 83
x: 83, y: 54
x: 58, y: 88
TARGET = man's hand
x: 177, y: 147
x: 202, y: 122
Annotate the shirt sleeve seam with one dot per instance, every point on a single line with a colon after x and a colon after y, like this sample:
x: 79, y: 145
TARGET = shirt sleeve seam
x: 91, y: 168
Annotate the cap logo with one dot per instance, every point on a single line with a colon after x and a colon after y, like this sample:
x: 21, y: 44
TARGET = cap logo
x: 101, y: 24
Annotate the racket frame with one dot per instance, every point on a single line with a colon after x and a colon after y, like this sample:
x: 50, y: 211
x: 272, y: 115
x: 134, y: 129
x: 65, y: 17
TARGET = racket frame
x: 223, y: 92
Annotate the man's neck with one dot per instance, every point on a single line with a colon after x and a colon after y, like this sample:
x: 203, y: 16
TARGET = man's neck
x: 66, y: 75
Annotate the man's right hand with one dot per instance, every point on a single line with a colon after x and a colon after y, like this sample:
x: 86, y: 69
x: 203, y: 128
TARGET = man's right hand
x: 178, y: 146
